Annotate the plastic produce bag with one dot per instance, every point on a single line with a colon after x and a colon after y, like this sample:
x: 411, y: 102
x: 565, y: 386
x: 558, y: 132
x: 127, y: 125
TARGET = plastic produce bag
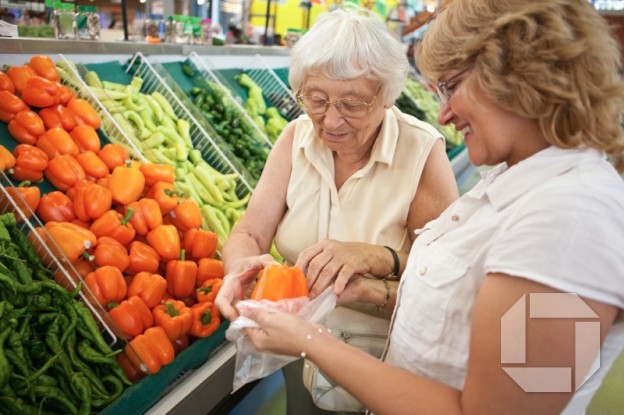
x: 251, y: 364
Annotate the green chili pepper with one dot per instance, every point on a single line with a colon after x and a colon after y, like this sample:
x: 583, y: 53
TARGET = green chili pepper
x: 56, y: 395
x: 5, y: 368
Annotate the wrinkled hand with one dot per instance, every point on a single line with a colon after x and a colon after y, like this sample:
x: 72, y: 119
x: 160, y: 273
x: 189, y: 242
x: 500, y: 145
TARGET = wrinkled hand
x: 330, y: 261
x: 280, y: 332
x: 236, y: 284
x: 355, y: 290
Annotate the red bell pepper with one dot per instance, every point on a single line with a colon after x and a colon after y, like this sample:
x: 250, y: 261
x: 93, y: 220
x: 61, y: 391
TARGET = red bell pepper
x: 131, y: 316
x: 64, y: 172
x: 174, y: 317
x: 205, y: 319
x: 26, y: 127
x: 56, y: 206
x: 149, y: 286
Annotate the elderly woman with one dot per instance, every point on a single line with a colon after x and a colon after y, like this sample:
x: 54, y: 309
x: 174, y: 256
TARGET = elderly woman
x: 348, y: 182
x: 535, y: 89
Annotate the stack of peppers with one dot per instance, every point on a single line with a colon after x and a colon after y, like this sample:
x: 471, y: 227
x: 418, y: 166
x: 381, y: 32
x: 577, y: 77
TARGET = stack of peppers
x: 140, y: 250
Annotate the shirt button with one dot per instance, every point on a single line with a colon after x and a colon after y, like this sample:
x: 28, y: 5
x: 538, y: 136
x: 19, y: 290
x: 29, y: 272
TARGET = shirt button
x: 455, y: 218
x: 422, y: 270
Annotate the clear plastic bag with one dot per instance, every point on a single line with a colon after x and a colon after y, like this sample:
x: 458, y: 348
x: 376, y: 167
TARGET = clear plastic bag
x: 251, y: 364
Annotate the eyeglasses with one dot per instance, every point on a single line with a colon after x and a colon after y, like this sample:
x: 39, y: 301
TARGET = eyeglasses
x: 347, y: 107
x: 445, y: 89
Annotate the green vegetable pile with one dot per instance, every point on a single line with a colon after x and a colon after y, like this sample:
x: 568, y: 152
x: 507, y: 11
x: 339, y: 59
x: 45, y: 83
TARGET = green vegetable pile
x: 53, y: 358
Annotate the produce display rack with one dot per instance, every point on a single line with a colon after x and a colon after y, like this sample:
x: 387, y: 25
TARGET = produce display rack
x: 155, y: 78
x: 274, y: 89
x: 209, y: 73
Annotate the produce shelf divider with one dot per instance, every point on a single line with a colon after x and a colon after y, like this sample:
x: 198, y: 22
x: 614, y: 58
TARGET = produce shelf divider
x: 274, y: 89
x: 209, y: 72
x: 212, y: 151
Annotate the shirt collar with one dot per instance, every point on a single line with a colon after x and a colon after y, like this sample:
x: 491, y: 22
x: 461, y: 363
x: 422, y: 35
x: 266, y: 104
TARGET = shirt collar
x: 509, y: 184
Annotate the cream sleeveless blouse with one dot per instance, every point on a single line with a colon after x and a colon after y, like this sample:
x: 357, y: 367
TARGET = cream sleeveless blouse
x: 373, y: 204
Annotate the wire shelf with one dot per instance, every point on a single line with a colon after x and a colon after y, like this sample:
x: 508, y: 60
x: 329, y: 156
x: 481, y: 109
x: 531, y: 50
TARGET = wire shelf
x: 156, y: 79
x: 273, y: 88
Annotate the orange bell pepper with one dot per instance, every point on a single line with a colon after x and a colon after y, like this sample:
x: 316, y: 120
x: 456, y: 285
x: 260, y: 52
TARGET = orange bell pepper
x: 115, y: 225
x: 107, y: 285
x: 41, y: 93
x: 7, y: 159
x: 174, y: 317
x: 93, y: 166
x: 276, y: 282
x: 165, y: 195
x: 55, y: 142
x: 84, y: 113
x: 26, y: 127
x: 181, y: 276
x: 64, y: 172
x: 25, y: 197
x: 157, y: 173
x: 165, y: 240
x: 20, y: 76
x: 132, y: 316
x: 91, y: 200
x: 180, y: 344
x: 113, y: 155
x: 5, y: 83
x: 143, y: 258
x: 200, y: 243
x: 86, y: 138
x: 30, y: 163
x: 44, y: 67
x: 146, y: 215
x: 65, y: 94
x: 126, y: 184
x: 186, y: 215
x: 109, y: 251
x: 58, y: 116
x: 72, y: 240
x: 205, y: 319
x: 10, y: 105
x: 55, y: 206
x: 149, y: 286
x: 209, y: 268
x: 150, y: 350
x: 207, y: 292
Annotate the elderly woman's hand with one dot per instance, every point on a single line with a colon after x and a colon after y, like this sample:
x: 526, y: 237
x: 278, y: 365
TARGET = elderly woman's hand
x: 332, y: 262
x: 238, y: 281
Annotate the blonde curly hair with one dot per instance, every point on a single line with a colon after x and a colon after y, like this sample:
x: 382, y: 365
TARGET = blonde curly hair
x: 553, y: 61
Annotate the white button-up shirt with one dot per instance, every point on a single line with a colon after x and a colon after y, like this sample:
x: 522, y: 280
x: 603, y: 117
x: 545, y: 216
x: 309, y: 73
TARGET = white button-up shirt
x: 556, y: 218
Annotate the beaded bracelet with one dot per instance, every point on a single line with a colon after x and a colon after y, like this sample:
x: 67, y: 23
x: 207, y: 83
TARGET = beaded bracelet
x: 387, y: 298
